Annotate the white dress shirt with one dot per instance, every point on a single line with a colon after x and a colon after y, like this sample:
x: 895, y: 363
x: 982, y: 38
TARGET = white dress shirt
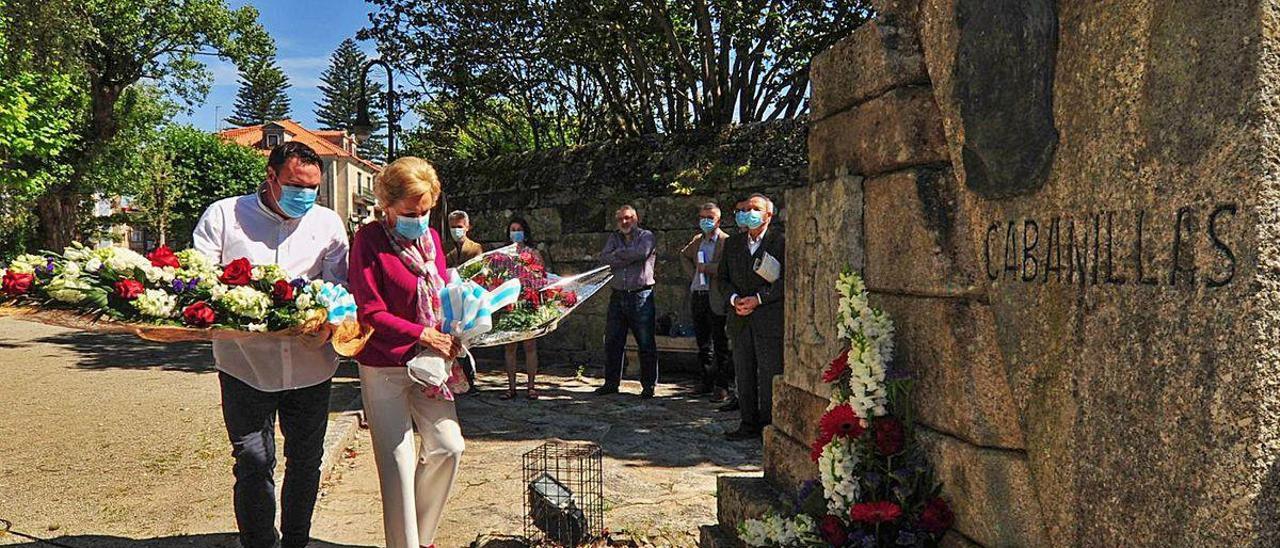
x: 752, y: 245
x: 313, y: 246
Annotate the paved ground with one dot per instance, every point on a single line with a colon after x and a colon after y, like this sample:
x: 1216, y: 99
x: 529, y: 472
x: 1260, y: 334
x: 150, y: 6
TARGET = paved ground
x: 107, y: 441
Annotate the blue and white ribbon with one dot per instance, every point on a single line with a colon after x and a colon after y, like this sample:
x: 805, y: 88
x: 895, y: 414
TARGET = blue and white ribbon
x: 469, y: 308
x: 337, y: 301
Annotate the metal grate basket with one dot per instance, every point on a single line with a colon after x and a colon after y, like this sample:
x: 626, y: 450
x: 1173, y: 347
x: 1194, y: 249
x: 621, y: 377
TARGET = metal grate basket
x: 564, y: 493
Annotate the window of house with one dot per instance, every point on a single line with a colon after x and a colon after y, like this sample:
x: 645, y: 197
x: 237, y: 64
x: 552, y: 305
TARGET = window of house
x: 273, y: 140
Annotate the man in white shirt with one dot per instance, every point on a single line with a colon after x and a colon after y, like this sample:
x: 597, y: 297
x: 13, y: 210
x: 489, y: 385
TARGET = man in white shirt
x: 265, y: 377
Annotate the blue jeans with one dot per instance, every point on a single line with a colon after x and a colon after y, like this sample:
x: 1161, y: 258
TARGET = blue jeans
x: 634, y: 312
x: 250, y: 416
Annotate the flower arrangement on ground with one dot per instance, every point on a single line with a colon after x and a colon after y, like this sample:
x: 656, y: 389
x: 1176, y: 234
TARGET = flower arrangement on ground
x: 875, y: 487
x: 164, y: 289
x: 543, y: 299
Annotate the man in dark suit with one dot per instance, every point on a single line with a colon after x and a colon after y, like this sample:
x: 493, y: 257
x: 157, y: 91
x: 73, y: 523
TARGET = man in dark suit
x: 751, y: 277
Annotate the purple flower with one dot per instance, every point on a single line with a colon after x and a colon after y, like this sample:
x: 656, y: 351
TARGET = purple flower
x: 906, y: 538
x: 297, y: 283
x: 862, y: 539
x: 872, y: 479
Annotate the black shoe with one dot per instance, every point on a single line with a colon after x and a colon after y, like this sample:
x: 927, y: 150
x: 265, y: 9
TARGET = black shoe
x: 732, y: 405
x: 606, y: 390
x: 743, y: 433
x: 646, y: 393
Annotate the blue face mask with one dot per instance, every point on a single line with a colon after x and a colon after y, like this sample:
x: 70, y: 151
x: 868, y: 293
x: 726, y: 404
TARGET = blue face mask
x: 458, y: 233
x: 295, y: 201
x: 413, y: 227
x: 708, y: 225
x: 750, y: 219
x: 517, y: 236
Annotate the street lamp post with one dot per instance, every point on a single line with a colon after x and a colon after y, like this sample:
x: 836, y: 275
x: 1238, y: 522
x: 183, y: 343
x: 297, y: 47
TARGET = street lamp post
x: 364, y: 127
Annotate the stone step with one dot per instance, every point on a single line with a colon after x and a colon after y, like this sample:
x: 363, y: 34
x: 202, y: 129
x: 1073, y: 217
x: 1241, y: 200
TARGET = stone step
x: 739, y: 498
x: 712, y: 536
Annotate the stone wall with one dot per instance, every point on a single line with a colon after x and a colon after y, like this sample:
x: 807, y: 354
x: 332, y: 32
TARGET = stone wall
x: 569, y: 196
x: 1070, y: 211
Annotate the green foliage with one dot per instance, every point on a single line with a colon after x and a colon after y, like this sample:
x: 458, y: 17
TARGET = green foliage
x: 208, y: 169
x: 262, y: 96
x: 530, y: 75
x: 102, y: 50
x: 340, y: 96
x: 446, y: 132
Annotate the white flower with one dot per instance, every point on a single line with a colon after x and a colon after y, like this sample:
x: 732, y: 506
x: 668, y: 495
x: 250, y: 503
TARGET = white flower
x: 304, y: 301
x: 216, y: 288
x: 246, y: 301
x: 837, y: 471
x: 71, y: 269
x: 67, y: 290
x: 26, y: 263
x: 256, y: 327
x: 123, y: 260
x: 157, y: 275
x: 93, y: 264
x: 156, y: 303
x: 269, y: 273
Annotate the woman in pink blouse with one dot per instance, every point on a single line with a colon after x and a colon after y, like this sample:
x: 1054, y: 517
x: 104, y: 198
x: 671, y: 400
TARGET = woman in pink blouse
x: 397, y: 269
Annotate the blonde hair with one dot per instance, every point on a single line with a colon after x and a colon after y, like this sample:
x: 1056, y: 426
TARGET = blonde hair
x: 406, y: 177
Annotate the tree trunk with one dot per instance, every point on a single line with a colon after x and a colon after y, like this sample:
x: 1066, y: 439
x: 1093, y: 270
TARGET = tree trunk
x: 58, y: 211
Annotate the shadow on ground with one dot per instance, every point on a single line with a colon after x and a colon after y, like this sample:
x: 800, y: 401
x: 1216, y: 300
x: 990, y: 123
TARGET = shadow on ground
x: 677, y: 429
x: 99, y: 351
x: 212, y: 540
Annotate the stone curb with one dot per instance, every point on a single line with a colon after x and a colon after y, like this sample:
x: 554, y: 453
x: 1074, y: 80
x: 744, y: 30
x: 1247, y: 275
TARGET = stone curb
x: 341, y: 430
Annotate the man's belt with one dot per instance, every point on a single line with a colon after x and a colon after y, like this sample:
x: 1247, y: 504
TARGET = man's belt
x: 634, y: 291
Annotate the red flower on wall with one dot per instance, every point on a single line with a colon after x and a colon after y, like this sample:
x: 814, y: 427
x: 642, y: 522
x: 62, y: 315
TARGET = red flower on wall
x: 841, y: 421
x: 837, y: 368
x: 889, y: 436
x: 875, y: 512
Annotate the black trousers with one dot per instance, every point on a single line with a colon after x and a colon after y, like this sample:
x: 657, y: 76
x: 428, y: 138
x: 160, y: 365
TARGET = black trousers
x: 713, y: 343
x: 757, y: 357
x: 250, y: 416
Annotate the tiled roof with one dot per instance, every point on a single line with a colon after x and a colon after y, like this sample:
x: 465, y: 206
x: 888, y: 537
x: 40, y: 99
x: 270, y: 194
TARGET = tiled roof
x: 252, y: 136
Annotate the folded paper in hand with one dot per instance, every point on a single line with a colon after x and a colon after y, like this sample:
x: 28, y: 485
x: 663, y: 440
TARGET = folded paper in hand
x: 768, y: 268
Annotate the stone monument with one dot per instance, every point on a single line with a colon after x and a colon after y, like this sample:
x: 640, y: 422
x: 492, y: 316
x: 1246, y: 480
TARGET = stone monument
x: 1072, y: 212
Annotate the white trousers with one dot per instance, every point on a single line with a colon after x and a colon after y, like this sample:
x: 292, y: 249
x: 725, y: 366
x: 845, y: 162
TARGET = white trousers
x: 415, y: 486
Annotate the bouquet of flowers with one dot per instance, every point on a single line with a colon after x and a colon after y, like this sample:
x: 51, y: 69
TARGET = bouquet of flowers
x: 522, y: 300
x: 875, y: 489
x: 168, y: 297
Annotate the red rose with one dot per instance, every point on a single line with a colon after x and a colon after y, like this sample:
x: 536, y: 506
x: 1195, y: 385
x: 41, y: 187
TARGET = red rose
x: 17, y: 283
x: 163, y: 256
x: 837, y: 368
x: 128, y: 289
x: 833, y: 530
x: 841, y: 421
x: 815, y: 450
x: 239, y: 272
x: 936, y: 517
x: 199, y: 314
x: 531, y: 295
x: 569, y: 298
x: 889, y: 436
x: 875, y: 512
x: 282, y: 291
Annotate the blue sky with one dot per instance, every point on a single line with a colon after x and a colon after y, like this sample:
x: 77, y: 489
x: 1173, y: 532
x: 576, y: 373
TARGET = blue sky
x: 306, y: 33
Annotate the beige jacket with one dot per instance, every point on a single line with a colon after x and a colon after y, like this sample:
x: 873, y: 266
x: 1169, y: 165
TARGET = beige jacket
x: 689, y: 259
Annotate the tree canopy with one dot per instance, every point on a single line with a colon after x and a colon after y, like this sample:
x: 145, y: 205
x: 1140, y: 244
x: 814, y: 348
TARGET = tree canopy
x: 263, y: 94
x: 570, y: 71
x: 340, y: 97
x: 104, y: 48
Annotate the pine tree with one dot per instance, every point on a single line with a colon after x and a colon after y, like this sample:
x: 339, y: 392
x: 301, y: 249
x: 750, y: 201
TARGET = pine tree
x: 262, y: 95
x: 338, y: 107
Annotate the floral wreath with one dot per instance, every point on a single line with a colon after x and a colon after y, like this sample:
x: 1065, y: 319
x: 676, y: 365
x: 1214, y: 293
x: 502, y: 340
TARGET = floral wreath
x: 877, y: 488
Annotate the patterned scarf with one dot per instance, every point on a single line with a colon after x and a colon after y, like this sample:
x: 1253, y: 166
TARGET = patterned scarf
x: 420, y: 259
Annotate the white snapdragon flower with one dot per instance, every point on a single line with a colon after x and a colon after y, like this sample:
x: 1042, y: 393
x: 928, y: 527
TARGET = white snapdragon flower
x: 26, y: 263
x: 836, y: 471
x: 256, y: 327
x: 94, y: 264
